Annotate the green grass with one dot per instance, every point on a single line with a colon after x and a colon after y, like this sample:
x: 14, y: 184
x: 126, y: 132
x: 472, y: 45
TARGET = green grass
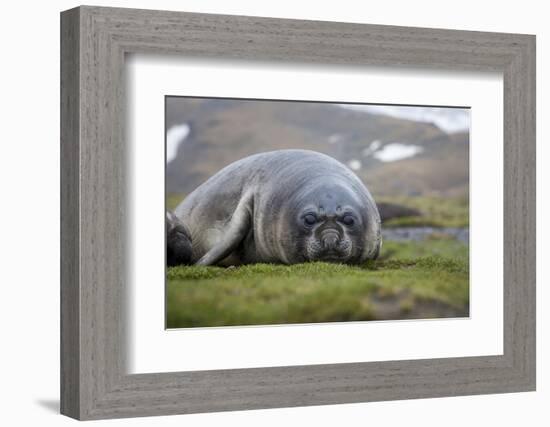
x: 444, y: 247
x: 414, y: 279
x: 173, y: 200
x: 436, y: 211
x: 411, y: 280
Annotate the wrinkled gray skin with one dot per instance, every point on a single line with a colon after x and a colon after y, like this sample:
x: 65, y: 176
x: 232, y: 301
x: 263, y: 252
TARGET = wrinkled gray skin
x: 286, y: 206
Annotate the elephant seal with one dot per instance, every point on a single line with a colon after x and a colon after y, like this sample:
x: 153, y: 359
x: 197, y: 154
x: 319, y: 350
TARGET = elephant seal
x: 178, y: 241
x: 285, y: 206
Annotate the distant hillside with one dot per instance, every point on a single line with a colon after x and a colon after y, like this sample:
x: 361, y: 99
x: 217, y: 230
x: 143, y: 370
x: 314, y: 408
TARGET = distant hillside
x: 222, y: 131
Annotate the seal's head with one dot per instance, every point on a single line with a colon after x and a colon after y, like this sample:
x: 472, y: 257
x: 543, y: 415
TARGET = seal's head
x: 333, y: 223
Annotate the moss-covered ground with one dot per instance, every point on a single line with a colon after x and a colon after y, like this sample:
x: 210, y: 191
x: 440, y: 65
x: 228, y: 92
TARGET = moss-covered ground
x: 411, y: 279
x: 425, y: 279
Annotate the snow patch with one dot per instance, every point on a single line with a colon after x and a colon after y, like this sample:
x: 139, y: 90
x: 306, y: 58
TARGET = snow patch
x: 448, y: 119
x: 374, y: 145
x: 174, y: 137
x: 354, y: 164
x: 397, y: 151
x: 335, y: 138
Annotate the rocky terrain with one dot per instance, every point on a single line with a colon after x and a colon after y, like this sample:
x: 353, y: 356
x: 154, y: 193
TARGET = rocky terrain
x: 394, y: 157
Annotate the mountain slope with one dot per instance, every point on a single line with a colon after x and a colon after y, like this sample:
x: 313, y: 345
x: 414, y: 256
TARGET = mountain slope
x: 222, y: 131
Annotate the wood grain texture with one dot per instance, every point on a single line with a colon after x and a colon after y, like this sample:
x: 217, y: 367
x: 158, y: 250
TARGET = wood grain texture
x: 70, y: 221
x: 94, y: 267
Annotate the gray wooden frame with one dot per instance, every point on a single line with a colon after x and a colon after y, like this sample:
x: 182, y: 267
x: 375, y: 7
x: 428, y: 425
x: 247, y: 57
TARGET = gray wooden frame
x: 94, y: 41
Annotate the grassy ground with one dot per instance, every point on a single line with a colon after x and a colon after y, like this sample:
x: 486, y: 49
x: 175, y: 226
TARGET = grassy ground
x: 414, y: 279
x: 436, y: 211
x: 425, y: 279
x: 173, y: 200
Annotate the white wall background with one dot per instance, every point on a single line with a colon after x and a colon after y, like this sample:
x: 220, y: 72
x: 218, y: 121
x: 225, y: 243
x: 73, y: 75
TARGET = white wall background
x: 29, y: 212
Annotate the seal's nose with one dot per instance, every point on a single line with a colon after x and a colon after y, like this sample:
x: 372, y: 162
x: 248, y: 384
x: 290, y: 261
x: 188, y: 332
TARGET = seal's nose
x: 330, y: 240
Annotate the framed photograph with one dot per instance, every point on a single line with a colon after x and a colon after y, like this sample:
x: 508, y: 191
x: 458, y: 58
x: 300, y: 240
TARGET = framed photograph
x: 261, y: 213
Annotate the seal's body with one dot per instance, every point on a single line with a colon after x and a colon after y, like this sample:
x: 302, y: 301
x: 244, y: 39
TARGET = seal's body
x: 286, y: 206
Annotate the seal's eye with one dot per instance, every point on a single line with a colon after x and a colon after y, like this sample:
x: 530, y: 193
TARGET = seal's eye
x: 310, y: 219
x: 348, y: 220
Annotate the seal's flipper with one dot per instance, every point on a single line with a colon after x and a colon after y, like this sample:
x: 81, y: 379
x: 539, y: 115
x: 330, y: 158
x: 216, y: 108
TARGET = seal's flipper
x: 178, y: 241
x: 236, y: 232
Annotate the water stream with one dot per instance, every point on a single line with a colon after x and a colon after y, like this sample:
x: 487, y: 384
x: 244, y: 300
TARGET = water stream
x: 421, y: 233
